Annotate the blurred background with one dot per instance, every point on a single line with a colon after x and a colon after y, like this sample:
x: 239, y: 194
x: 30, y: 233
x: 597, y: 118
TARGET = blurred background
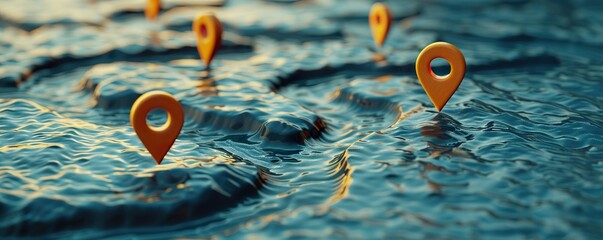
x: 302, y: 128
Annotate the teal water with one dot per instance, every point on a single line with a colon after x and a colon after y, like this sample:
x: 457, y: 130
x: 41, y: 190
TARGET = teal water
x: 297, y: 131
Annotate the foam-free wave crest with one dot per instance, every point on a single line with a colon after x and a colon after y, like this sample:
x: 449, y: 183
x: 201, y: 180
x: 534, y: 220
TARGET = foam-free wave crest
x: 61, y: 173
x: 253, y: 107
x: 55, y: 45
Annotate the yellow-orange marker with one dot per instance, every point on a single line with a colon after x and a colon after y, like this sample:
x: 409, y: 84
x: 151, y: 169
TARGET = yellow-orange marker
x: 440, y: 88
x: 380, y: 19
x: 158, y: 140
x: 208, y: 30
x: 152, y: 9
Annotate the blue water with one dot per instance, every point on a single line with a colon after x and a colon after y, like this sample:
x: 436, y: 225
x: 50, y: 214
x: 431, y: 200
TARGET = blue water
x: 300, y: 129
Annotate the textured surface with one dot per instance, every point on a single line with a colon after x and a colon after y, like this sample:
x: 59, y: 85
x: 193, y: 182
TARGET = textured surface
x: 297, y: 130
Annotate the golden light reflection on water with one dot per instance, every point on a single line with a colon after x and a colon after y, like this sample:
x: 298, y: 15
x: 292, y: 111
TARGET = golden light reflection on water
x: 207, y: 87
x: 342, y: 166
x: 347, y: 179
x: 35, y: 145
x: 384, y: 78
x: 435, y: 131
x: 404, y: 115
x: 380, y: 59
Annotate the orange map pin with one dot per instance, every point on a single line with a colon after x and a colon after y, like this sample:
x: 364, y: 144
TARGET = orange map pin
x: 440, y: 88
x: 158, y: 140
x: 208, y: 30
x: 380, y: 19
x: 152, y: 9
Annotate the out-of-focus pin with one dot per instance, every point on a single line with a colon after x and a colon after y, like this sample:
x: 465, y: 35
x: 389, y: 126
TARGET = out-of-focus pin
x: 152, y: 9
x: 380, y: 19
x: 440, y: 88
x: 208, y: 31
x: 158, y: 140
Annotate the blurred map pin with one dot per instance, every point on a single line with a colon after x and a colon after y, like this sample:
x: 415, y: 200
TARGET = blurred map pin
x: 440, y: 88
x: 380, y: 19
x: 152, y: 9
x: 208, y: 30
x: 158, y: 140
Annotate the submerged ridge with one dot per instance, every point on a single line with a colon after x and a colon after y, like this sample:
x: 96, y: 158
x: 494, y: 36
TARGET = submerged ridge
x: 125, y: 199
x: 302, y: 128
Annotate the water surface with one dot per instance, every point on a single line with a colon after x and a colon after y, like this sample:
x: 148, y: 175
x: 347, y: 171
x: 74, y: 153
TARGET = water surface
x: 297, y: 130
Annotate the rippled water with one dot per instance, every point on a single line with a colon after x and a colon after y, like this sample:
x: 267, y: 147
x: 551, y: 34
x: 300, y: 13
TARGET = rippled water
x: 300, y: 130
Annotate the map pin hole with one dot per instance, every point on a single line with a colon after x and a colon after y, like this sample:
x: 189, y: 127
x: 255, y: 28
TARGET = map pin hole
x: 157, y: 118
x: 440, y: 67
